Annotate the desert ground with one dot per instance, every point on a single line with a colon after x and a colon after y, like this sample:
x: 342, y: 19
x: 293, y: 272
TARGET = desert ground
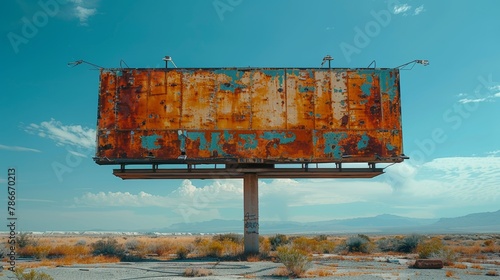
x: 220, y: 256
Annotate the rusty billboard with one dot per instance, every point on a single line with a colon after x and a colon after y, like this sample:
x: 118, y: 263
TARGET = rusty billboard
x: 248, y: 115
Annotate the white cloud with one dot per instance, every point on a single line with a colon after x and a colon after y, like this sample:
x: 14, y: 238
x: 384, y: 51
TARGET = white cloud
x: 441, y: 187
x: 73, y: 135
x: 210, y: 196
x: 418, y: 10
x: 190, y: 203
x: 493, y: 153
x: 401, y: 8
x: 83, y: 14
x: 83, y: 10
x: 406, y: 9
x: 469, y: 100
x: 454, y: 182
x: 497, y: 94
x: 494, y: 88
x: 18, y: 149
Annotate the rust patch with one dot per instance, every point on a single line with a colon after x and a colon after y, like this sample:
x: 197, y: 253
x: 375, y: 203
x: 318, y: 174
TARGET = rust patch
x: 249, y: 115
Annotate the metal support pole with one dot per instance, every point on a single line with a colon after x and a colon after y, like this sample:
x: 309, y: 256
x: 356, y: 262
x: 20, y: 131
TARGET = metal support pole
x: 251, y: 212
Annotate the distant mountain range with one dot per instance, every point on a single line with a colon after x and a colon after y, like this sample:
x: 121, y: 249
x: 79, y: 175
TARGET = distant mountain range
x: 488, y: 222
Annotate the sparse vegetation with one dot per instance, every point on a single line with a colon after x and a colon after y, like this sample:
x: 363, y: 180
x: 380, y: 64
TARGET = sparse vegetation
x: 108, y: 247
x: 182, y: 253
x: 409, y: 243
x: 197, y: 272
x: 31, y: 275
x: 24, y: 239
x: 359, y: 243
x: 429, y: 247
x: 296, y: 252
x: 277, y: 241
x: 492, y: 273
x: 297, y: 262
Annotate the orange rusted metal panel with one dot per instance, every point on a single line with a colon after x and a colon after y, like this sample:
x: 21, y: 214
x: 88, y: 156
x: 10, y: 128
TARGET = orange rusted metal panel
x: 249, y: 115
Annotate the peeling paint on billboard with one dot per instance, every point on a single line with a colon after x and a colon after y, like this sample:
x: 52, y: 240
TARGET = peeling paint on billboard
x: 250, y: 115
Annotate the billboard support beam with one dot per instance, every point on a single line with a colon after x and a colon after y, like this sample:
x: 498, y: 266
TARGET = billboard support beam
x: 251, y: 213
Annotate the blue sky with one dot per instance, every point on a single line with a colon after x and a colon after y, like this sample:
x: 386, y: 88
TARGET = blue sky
x: 48, y: 110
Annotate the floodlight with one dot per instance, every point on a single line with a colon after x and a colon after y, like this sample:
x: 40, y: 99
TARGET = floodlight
x: 167, y: 59
x: 424, y: 62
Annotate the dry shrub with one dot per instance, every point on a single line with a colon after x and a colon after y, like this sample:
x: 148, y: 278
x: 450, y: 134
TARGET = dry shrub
x: 233, y: 237
x: 68, y: 250
x: 31, y: 275
x: 253, y: 258
x: 492, y: 273
x: 318, y: 245
x: 35, y: 251
x: 108, y: 247
x: 218, y: 248
x: 449, y: 273
x: 468, y: 250
x: 161, y: 248
x: 321, y: 272
x: 296, y: 261
x: 264, y: 246
x: 477, y: 266
x: 459, y: 266
x: 277, y: 241
x: 305, y: 244
x: 281, y: 272
x: 197, y: 272
x: 429, y: 247
x: 182, y: 253
x: 359, y: 243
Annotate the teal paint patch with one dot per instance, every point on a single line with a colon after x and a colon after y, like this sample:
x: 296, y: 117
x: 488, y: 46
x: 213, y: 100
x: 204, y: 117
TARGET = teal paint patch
x: 305, y: 89
x: 214, y: 144
x: 363, y: 143
x: 119, y: 73
x: 275, y: 74
x: 332, y: 146
x: 342, y: 103
x: 315, y: 138
x: 227, y: 136
x: 388, y: 83
x: 282, y: 136
x: 148, y: 142
x: 389, y: 146
x: 250, y: 142
x: 366, y: 88
x: 198, y: 136
x: 368, y: 73
x: 363, y: 101
x: 234, y: 77
x: 293, y: 72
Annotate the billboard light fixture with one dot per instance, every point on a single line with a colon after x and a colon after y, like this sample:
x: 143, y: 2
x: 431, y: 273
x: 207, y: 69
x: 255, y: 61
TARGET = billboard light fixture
x: 167, y: 59
x: 424, y: 62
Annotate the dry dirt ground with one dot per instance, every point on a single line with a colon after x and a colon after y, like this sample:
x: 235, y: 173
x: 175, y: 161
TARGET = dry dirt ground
x: 324, y: 267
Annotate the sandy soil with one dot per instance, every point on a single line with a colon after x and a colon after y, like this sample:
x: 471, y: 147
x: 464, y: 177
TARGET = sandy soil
x: 378, y: 268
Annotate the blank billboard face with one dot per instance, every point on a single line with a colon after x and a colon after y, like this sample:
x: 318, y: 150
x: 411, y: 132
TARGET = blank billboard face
x: 249, y: 115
